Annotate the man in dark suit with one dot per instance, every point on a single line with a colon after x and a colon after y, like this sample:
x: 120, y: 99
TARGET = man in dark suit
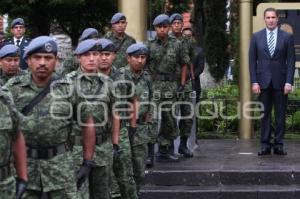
x: 198, y: 60
x: 272, y: 67
x: 18, y: 30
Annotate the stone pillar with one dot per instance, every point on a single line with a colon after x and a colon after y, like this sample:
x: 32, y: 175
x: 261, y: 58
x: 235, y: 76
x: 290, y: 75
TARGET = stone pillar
x: 136, y: 15
x: 245, y: 124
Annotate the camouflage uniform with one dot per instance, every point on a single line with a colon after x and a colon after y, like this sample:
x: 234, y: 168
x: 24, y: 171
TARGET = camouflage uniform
x: 121, y: 46
x: 139, y: 142
x: 165, y: 60
x: 9, y: 121
x: 122, y: 165
x: 70, y: 64
x: 185, y: 125
x: 4, y: 77
x: 47, y: 129
x: 100, y: 177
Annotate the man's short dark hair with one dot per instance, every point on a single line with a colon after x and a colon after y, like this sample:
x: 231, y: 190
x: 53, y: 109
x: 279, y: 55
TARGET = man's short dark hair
x: 271, y: 10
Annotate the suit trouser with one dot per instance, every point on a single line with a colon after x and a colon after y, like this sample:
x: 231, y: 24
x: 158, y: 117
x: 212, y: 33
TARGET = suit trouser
x: 268, y: 97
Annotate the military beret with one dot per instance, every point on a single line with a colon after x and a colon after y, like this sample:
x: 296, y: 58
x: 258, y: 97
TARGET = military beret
x: 17, y: 21
x: 137, y: 49
x: 9, y: 50
x: 89, y: 33
x: 107, y: 45
x: 176, y: 16
x: 117, y: 17
x: 161, y: 19
x: 86, y: 46
x: 41, y: 44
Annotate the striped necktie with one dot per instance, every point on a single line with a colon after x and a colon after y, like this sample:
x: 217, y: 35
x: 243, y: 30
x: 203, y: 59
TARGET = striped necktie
x: 271, y: 43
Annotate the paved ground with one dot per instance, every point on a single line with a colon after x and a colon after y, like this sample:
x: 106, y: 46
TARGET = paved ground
x: 236, y: 155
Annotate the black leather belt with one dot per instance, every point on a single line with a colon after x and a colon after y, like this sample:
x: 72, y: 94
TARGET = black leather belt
x: 99, y: 140
x: 5, y: 172
x: 165, y: 77
x: 46, y: 152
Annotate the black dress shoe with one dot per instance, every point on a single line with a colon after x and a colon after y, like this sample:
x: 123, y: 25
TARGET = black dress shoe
x: 279, y: 151
x: 166, y: 157
x: 265, y: 151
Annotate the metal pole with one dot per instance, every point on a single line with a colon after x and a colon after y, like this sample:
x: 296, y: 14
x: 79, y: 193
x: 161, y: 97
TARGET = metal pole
x: 245, y: 124
x: 136, y: 15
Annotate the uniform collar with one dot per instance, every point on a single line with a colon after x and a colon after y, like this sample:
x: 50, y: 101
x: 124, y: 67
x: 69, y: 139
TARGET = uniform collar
x: 15, y: 40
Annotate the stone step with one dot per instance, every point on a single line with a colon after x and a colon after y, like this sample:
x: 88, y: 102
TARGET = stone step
x: 224, y: 177
x: 221, y: 192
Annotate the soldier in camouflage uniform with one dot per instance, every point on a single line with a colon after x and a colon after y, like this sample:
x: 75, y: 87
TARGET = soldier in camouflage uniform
x: 134, y: 72
x: 10, y: 60
x: 46, y: 124
x: 185, y: 125
x: 122, y: 165
x: 164, y: 59
x: 121, y: 40
x: 98, y: 87
x: 11, y: 142
x: 71, y: 63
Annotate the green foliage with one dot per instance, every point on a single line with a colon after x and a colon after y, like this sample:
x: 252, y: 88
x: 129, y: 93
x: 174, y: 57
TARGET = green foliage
x: 215, y: 37
x: 234, y: 38
x: 156, y: 7
x: 71, y: 16
x: 219, y: 112
x: 226, y: 91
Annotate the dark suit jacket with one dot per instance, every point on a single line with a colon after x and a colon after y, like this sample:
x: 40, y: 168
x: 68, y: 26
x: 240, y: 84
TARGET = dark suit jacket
x: 198, y: 63
x: 279, y: 68
x: 24, y: 43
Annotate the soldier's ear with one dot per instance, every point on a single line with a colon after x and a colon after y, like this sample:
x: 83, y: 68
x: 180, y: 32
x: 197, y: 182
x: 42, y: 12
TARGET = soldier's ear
x: 114, y: 55
x: 128, y: 58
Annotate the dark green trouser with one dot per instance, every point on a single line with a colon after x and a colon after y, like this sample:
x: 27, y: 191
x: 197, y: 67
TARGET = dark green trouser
x: 8, y: 188
x: 57, y: 194
x: 100, y: 180
x: 139, y: 154
x: 122, y: 167
x: 185, y: 125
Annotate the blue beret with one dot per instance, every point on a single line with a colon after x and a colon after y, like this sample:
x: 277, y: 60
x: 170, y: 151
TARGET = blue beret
x: 89, y: 33
x: 17, y: 21
x: 176, y: 16
x: 107, y: 45
x: 161, y: 19
x: 117, y: 17
x: 9, y: 50
x: 137, y: 49
x: 41, y: 44
x: 86, y: 46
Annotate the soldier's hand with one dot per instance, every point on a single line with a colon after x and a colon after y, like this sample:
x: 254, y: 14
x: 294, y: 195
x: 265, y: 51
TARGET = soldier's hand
x: 193, y: 84
x: 116, y: 150
x: 21, y: 186
x: 83, y: 172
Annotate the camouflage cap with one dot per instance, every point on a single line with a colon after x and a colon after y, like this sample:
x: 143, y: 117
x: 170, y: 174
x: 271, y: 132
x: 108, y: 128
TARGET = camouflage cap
x: 86, y: 46
x: 9, y: 50
x: 107, y: 45
x: 137, y: 49
x: 161, y: 20
x: 117, y: 17
x: 41, y: 44
x: 176, y: 16
x: 89, y: 33
x: 17, y: 21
